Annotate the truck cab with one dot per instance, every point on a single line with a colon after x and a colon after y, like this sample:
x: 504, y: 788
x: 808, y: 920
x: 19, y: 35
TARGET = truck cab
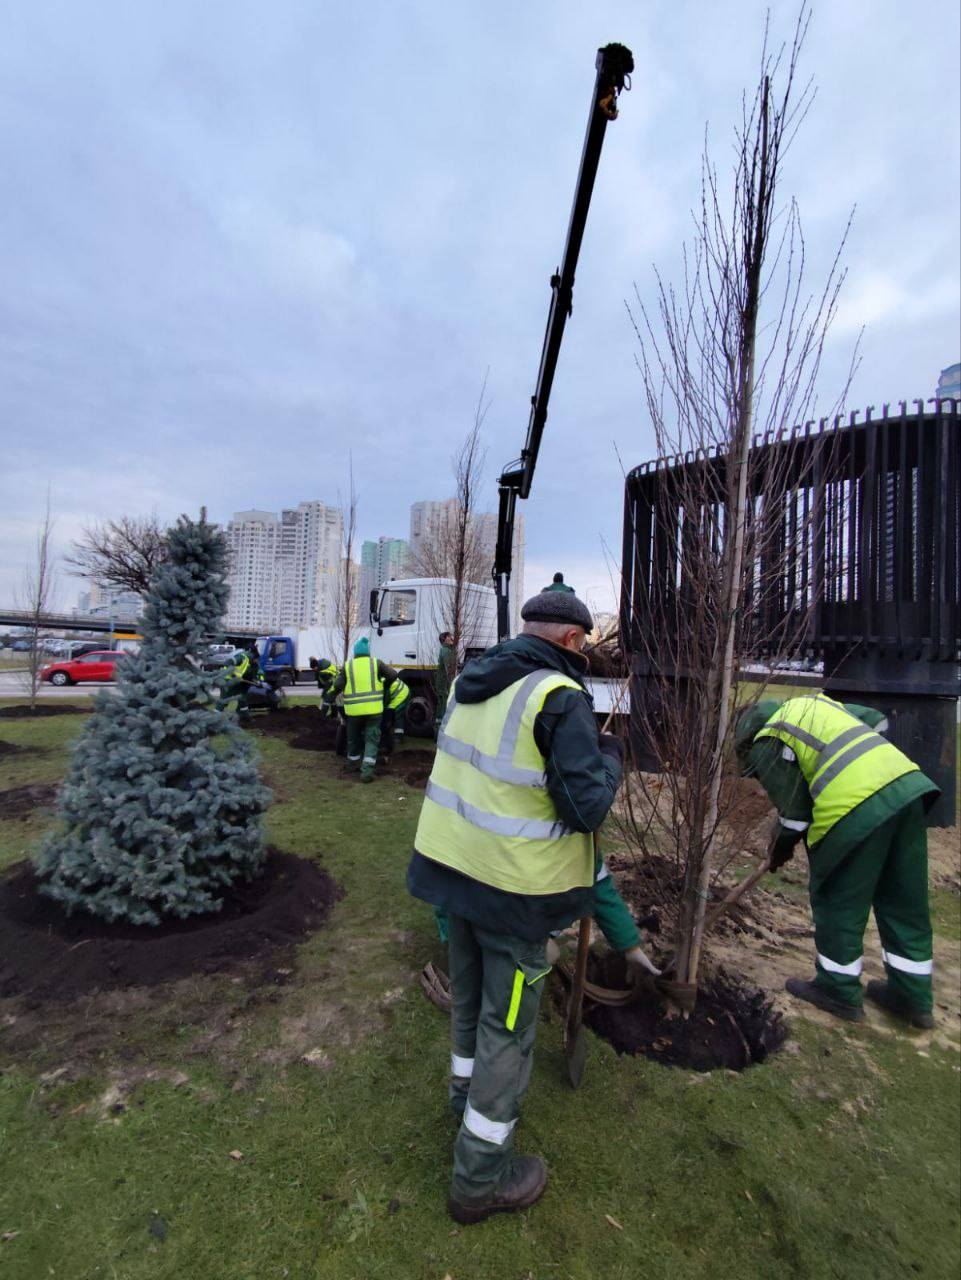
x: 407, y: 616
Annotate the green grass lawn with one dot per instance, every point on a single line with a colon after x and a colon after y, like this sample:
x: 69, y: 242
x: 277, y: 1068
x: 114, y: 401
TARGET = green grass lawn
x: 839, y: 1158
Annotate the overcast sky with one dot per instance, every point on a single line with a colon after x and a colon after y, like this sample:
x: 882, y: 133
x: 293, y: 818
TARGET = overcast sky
x: 238, y: 239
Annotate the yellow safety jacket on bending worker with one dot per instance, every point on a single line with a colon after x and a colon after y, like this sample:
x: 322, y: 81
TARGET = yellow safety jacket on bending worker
x: 487, y: 812
x: 363, y: 688
x: 397, y: 695
x: 842, y: 761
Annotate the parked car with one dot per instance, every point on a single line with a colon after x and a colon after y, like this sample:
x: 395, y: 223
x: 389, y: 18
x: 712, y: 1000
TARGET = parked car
x: 21, y: 646
x: 98, y: 665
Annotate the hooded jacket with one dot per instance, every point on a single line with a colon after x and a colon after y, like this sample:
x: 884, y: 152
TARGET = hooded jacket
x: 582, y: 781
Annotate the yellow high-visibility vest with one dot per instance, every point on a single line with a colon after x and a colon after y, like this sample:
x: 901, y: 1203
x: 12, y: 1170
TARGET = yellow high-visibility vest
x: 487, y: 812
x: 364, y: 690
x: 843, y: 761
x: 397, y: 695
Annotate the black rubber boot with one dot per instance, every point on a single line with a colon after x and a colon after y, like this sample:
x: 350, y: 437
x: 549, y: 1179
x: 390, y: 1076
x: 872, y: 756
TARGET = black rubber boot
x: 813, y: 994
x: 879, y: 992
x: 524, y: 1187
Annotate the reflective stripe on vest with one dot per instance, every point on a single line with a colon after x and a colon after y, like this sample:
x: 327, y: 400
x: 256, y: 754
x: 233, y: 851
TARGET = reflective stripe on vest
x: 363, y: 690
x: 399, y: 693
x: 842, y: 760
x: 487, y: 812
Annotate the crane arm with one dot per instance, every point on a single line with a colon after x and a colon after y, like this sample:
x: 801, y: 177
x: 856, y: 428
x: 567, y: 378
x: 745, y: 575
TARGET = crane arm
x: 614, y: 64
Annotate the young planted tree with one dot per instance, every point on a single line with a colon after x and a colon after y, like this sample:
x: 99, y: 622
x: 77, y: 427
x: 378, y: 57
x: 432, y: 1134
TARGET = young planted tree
x: 125, y: 552
x: 454, y: 549
x: 347, y: 577
x: 35, y: 599
x: 161, y: 810
x: 728, y: 360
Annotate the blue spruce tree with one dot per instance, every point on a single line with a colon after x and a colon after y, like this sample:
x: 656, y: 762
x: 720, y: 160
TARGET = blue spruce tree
x: 162, y: 807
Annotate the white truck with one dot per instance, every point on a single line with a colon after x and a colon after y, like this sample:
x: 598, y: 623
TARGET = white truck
x: 405, y: 619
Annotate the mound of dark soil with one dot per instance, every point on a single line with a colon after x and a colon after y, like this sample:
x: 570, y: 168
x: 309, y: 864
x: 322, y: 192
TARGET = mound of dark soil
x: 12, y: 749
x: 303, y: 727
x: 20, y: 802
x: 46, y: 955
x: 21, y: 712
x: 732, y: 1026
x: 411, y: 766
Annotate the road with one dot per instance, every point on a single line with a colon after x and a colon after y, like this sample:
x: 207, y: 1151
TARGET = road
x: 13, y: 684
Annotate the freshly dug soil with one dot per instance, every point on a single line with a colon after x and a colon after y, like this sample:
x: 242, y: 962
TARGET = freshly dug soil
x: 20, y: 802
x: 411, y: 766
x: 732, y: 1026
x: 20, y: 712
x: 12, y: 749
x: 47, y: 956
x: 303, y: 727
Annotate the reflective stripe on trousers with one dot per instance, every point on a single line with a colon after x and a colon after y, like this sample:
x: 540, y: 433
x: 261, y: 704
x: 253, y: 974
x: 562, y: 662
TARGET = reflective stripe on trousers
x: 852, y: 970
x: 919, y: 967
x: 495, y: 1131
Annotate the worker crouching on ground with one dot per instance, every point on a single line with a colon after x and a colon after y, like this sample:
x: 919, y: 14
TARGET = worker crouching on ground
x: 325, y: 673
x: 860, y: 803
x: 362, y: 682
x: 520, y: 781
x: 394, y: 725
x: 237, y: 678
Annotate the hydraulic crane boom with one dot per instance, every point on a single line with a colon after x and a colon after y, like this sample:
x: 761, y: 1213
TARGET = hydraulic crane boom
x: 614, y: 65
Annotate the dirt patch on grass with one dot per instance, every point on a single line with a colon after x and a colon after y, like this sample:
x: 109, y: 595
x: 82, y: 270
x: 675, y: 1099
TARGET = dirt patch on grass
x: 49, y: 957
x: 944, y: 857
x: 20, y: 712
x: 12, y: 749
x: 411, y: 766
x: 20, y: 802
x: 301, y: 727
x: 733, y: 1026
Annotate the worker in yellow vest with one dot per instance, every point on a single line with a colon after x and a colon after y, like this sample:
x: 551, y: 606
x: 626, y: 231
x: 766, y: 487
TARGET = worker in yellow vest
x: 859, y: 802
x: 504, y: 846
x: 394, y: 725
x: 362, y: 682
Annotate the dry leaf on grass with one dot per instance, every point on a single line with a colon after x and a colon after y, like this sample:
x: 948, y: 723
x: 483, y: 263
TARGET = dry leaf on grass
x: 236, y: 1155
x: 9, y: 1235
x: 614, y: 1222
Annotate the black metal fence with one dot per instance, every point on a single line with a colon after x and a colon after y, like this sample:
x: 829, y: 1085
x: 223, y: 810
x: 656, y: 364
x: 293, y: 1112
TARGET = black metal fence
x: 857, y: 554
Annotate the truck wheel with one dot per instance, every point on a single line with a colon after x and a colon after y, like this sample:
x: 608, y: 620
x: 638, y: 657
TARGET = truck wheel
x: 285, y: 680
x: 420, y: 715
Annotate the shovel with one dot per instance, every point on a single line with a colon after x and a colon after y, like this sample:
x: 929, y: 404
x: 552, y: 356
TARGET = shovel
x: 575, y: 1041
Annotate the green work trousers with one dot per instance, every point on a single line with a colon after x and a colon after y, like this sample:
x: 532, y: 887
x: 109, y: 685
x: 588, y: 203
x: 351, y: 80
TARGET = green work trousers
x: 394, y: 727
x: 496, y: 984
x: 239, y: 690
x: 889, y: 871
x: 363, y: 739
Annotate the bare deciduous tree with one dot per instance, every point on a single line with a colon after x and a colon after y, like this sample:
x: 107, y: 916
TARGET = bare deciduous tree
x: 347, y: 584
x: 35, y: 598
x: 454, y: 548
x: 125, y: 552
x: 716, y: 376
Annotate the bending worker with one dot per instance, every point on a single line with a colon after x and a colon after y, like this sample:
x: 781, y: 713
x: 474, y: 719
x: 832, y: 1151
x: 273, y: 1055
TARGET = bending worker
x: 394, y: 726
x: 362, y: 681
x: 860, y: 804
x: 237, y: 677
x: 520, y: 781
x: 325, y: 673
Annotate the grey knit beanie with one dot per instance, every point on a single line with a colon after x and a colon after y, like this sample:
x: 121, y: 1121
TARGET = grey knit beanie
x: 558, y: 606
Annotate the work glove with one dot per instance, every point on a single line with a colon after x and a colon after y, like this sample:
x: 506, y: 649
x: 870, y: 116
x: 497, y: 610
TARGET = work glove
x: 611, y: 745
x: 638, y: 963
x: 559, y: 945
x: 782, y: 846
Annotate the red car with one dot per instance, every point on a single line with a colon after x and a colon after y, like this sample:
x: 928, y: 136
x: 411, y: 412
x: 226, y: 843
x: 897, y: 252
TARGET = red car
x: 98, y: 665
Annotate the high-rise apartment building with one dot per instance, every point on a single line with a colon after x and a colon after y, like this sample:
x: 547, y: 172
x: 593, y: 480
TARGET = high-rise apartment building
x: 254, y: 540
x: 386, y: 558
x: 431, y: 526
x: 285, y: 570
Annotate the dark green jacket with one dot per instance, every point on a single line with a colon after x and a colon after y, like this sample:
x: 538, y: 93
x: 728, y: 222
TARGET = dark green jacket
x: 777, y: 770
x: 444, y: 677
x: 581, y: 780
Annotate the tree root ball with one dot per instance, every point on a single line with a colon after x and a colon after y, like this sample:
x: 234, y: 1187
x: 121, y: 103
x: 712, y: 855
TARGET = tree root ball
x: 47, y: 956
x: 733, y: 1026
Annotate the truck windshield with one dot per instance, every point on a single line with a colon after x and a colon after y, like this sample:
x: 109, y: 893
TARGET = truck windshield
x: 397, y: 608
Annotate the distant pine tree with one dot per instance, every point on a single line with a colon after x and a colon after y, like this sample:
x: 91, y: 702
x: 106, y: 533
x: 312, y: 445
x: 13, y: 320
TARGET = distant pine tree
x: 162, y: 807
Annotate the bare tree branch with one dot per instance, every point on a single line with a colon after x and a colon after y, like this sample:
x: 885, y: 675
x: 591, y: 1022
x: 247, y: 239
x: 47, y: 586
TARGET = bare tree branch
x: 125, y: 552
x: 36, y: 597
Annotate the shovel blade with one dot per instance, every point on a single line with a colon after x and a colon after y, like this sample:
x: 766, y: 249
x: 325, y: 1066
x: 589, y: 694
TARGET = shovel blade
x: 576, y: 1053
